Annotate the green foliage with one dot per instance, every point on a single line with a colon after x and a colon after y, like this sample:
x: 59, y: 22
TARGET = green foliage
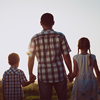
x: 69, y: 89
x: 31, y: 92
x: 31, y: 89
x: 1, y: 95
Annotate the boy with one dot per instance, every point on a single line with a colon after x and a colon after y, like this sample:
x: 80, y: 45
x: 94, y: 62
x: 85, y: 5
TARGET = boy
x: 13, y: 78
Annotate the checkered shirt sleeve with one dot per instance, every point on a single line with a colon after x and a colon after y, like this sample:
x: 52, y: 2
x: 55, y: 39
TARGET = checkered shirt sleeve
x: 31, y: 49
x: 22, y: 77
x: 65, y: 47
x: 3, y: 78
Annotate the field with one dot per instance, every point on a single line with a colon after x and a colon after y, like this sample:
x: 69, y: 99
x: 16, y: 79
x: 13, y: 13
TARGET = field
x: 31, y: 92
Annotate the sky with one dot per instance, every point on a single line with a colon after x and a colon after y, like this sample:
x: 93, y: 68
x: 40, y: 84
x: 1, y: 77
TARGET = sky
x: 20, y: 20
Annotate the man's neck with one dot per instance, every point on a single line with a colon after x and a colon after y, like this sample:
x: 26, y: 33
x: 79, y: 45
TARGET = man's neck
x: 46, y: 28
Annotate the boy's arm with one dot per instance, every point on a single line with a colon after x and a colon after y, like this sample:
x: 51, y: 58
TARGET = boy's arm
x: 24, y: 81
x: 28, y: 82
x: 68, y: 63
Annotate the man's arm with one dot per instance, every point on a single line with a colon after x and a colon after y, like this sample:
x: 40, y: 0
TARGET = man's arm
x: 74, y: 74
x: 30, y: 67
x: 68, y: 63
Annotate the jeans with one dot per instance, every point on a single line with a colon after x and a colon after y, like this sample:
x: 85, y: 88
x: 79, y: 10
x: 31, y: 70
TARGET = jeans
x: 45, y: 90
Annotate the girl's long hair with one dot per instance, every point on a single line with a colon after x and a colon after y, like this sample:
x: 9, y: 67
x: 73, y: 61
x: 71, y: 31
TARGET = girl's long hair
x: 84, y: 44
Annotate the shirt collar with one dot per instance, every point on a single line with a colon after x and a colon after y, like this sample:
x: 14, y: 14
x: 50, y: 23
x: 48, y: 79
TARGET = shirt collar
x: 47, y: 30
x: 13, y: 67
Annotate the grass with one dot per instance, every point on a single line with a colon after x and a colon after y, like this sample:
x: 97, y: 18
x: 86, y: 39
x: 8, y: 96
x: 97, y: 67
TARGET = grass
x: 31, y: 92
x: 1, y: 96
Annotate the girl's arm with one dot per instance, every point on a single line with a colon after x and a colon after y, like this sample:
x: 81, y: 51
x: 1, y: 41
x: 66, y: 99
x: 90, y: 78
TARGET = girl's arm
x: 97, y: 70
x: 74, y: 74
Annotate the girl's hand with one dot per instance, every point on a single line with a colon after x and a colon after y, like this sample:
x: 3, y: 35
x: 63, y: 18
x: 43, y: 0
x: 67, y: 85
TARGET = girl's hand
x: 69, y: 77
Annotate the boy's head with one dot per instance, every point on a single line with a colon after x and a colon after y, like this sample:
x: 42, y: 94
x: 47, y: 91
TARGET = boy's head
x: 47, y: 19
x: 13, y: 59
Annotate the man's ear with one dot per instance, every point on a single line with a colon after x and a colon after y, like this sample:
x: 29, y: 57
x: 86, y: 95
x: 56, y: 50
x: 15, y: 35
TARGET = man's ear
x: 40, y: 23
x: 53, y: 23
x: 8, y: 63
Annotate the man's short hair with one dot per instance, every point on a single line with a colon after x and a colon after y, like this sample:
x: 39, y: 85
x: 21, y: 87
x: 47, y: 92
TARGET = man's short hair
x: 47, y: 19
x: 13, y: 58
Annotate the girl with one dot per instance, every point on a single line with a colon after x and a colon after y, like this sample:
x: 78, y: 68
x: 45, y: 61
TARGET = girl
x: 85, y: 85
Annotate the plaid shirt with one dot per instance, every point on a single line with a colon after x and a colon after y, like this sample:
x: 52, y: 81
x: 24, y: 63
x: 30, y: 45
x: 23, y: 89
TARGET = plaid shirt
x: 11, y: 81
x: 48, y: 46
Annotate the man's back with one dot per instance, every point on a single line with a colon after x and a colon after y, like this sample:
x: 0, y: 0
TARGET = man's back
x: 49, y: 46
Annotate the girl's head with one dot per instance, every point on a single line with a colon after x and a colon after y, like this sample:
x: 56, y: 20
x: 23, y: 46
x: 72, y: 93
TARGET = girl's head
x: 84, y: 44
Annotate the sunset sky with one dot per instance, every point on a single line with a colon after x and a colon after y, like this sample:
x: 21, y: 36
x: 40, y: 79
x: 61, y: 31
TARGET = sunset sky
x: 20, y: 20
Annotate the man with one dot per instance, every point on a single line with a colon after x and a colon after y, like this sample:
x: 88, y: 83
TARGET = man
x: 50, y: 48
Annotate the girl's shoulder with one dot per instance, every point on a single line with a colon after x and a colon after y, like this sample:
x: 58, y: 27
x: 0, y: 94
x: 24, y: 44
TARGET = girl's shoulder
x: 78, y: 56
x: 93, y: 56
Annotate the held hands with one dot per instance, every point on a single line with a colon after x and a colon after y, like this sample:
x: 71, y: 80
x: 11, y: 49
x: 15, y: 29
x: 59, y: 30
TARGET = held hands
x: 32, y: 78
x: 70, y: 77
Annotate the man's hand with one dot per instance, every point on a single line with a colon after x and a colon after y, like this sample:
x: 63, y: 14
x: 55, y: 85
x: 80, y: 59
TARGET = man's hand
x: 32, y: 77
x: 69, y: 77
